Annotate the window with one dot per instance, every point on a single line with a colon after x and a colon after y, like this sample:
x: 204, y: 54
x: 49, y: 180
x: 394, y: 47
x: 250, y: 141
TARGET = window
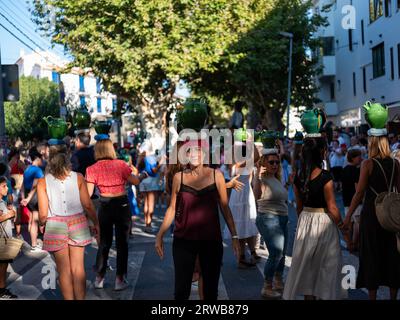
x: 81, y: 83
x: 375, y: 10
x: 332, y: 88
x: 391, y: 64
x: 378, y: 60
x: 398, y: 57
x: 98, y: 85
x: 398, y: 4
x: 98, y: 105
x: 350, y: 39
x: 354, y: 84
x: 362, y: 33
x: 388, y: 8
x: 339, y: 85
x: 83, y: 101
x: 328, y: 46
x: 55, y: 77
x: 364, y: 80
x: 114, y: 105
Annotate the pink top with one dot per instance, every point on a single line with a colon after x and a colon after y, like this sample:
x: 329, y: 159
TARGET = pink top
x: 110, y: 176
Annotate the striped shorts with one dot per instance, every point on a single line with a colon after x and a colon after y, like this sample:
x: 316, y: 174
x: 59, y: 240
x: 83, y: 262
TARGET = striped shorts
x: 61, y: 232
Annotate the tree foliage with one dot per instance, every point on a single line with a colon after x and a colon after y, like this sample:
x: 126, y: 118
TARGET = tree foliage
x: 142, y: 48
x: 260, y: 77
x: 24, y: 119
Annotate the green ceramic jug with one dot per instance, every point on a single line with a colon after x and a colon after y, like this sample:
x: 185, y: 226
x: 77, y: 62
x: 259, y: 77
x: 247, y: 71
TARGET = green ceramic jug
x: 102, y: 127
x: 313, y: 120
x: 57, y: 127
x: 258, y: 136
x: 82, y: 118
x: 268, y: 139
x: 376, y: 115
x: 240, y: 135
x: 193, y: 115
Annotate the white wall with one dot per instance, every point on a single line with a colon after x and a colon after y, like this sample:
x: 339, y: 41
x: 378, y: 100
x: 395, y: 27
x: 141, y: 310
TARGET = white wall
x: 384, y: 29
x: 37, y: 66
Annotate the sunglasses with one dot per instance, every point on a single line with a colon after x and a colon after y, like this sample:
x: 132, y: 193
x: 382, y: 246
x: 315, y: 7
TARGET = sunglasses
x: 272, y: 162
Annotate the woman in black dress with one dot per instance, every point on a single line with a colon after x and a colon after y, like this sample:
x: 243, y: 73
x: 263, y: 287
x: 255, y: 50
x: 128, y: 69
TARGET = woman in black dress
x: 379, y: 258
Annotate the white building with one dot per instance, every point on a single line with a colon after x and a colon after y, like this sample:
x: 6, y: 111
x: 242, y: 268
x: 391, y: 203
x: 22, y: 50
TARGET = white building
x: 359, y: 64
x: 79, y: 89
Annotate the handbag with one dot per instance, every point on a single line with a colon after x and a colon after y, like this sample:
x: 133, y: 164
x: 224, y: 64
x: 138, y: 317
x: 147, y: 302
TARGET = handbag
x: 9, y: 247
x: 387, y: 206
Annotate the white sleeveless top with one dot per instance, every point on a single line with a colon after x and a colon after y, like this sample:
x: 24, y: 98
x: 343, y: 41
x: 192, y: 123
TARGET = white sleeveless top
x: 63, y: 195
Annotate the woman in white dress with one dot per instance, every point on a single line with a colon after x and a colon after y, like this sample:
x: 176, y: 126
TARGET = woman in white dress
x: 316, y: 266
x: 243, y: 207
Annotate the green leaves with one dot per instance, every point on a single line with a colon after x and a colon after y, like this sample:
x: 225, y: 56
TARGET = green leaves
x: 24, y: 119
x: 226, y: 48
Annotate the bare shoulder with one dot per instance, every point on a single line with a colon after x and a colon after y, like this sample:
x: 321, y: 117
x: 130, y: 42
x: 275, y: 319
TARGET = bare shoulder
x: 177, y: 177
x: 367, y: 164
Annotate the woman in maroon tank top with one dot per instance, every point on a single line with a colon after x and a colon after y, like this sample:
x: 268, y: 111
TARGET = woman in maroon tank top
x: 196, y: 194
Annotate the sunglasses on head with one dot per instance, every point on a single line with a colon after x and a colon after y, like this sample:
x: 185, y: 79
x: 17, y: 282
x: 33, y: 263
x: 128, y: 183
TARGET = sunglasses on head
x: 272, y: 162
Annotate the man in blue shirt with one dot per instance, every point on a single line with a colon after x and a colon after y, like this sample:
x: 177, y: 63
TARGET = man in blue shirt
x: 31, y: 176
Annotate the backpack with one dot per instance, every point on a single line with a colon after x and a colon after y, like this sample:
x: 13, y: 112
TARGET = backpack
x: 387, y: 205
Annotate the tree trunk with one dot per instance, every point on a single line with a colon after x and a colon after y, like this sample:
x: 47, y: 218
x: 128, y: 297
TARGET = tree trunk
x: 272, y: 119
x: 252, y: 117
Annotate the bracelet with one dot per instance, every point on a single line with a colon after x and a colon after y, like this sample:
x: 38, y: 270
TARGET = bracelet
x: 235, y: 237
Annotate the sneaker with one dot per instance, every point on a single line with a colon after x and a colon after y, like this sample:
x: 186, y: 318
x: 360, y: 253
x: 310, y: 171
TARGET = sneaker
x: 121, y: 285
x: 99, y: 282
x: 278, y: 283
x: 6, y: 294
x: 148, y: 229
x: 20, y: 237
x: 36, y: 249
x: 268, y: 293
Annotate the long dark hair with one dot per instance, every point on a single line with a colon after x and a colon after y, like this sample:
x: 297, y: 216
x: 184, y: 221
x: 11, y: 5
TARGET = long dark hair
x: 312, y: 157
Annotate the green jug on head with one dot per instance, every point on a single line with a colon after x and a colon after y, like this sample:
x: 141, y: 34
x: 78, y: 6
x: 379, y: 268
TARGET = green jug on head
x: 193, y: 114
x: 313, y: 121
x: 102, y: 126
x: 57, y: 127
x: 376, y: 114
x: 82, y: 118
x: 241, y: 135
x: 268, y: 139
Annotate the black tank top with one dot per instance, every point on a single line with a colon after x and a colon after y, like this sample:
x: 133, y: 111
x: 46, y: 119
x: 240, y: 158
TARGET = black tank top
x: 316, y: 197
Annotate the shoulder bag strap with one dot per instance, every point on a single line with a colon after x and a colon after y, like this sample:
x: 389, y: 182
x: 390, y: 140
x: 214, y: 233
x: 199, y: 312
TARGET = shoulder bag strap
x: 384, y: 174
x: 391, y: 179
x: 3, y: 231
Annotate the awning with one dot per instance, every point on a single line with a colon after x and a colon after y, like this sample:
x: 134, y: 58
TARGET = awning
x: 350, y: 118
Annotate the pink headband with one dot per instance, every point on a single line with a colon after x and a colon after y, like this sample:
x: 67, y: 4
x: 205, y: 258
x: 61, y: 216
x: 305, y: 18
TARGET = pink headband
x: 197, y: 143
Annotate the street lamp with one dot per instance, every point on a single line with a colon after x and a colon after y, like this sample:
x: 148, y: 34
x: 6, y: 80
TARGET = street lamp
x: 290, y: 36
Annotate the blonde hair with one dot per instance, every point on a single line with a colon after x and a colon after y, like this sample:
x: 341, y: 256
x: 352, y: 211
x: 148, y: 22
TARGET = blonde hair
x: 264, y: 159
x: 104, y: 149
x: 378, y: 147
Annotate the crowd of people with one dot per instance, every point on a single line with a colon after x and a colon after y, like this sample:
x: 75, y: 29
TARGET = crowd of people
x: 66, y: 194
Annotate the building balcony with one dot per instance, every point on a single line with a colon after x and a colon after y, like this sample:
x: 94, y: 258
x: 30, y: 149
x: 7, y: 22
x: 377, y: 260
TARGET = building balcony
x: 331, y: 109
x: 329, y: 66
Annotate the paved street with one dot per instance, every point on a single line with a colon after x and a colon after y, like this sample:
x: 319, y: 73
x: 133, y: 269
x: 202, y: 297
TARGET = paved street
x: 149, y: 277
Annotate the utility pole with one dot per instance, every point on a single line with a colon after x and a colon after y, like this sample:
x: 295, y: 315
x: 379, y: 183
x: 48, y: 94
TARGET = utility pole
x: 3, y: 155
x: 290, y: 36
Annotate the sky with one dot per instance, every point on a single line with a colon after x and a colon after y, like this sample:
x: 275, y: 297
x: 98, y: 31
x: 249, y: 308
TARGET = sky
x: 14, y: 15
